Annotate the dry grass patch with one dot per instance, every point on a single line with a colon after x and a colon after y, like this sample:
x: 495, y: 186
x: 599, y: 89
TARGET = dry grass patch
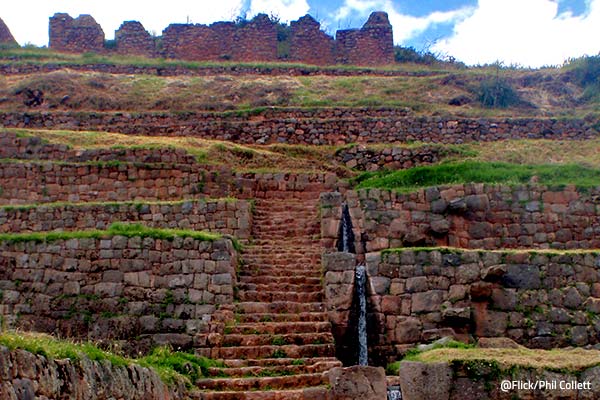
x: 539, y: 151
x: 556, y: 359
x: 275, y: 157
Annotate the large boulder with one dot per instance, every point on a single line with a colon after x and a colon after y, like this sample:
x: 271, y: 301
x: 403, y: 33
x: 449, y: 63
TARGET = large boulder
x: 419, y: 381
x: 358, y: 383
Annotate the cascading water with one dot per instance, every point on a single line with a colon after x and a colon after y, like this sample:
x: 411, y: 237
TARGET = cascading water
x: 361, y: 285
x: 346, y: 234
x: 345, y: 244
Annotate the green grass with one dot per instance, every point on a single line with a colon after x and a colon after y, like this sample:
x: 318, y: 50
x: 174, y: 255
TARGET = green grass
x: 117, y: 228
x: 171, y: 366
x: 479, y: 172
x: 413, y: 354
x: 62, y: 204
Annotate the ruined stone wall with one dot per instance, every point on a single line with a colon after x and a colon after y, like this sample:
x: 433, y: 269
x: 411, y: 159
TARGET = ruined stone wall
x: 33, y: 376
x: 254, y: 40
x: 132, y: 39
x: 222, y: 41
x: 541, y: 300
x: 199, y: 42
x: 80, y: 35
x: 473, y: 216
x: 323, y: 127
x: 6, y: 38
x: 309, y: 44
x: 373, y: 44
x: 141, y: 290
x: 232, y: 217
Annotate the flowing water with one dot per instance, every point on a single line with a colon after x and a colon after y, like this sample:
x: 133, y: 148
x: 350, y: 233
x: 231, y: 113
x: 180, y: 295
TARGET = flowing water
x: 346, y: 235
x: 361, y: 285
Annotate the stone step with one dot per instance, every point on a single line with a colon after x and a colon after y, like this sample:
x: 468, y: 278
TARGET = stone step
x: 283, y: 242
x: 280, y: 286
x: 299, y: 339
x: 268, y: 296
x: 272, y: 351
x: 291, y: 368
x: 310, y: 393
x: 279, y: 328
x: 278, y: 280
x: 263, y: 383
x: 282, y: 270
x: 283, y: 317
x: 250, y: 307
x: 273, y: 362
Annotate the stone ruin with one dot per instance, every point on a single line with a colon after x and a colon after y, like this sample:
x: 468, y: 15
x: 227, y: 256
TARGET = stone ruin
x: 253, y: 40
x: 76, y: 35
x: 372, y: 44
x: 6, y: 38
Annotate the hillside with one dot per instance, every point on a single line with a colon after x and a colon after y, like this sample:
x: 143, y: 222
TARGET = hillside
x: 187, y: 217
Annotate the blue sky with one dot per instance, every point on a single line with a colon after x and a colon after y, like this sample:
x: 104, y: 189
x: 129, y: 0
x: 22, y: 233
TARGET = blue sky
x: 521, y: 32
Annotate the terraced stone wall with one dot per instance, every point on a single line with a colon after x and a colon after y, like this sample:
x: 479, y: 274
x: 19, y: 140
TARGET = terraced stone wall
x: 230, y: 216
x: 363, y: 158
x: 468, y: 216
x: 322, y: 127
x: 26, y: 182
x: 538, y: 299
x: 139, y: 290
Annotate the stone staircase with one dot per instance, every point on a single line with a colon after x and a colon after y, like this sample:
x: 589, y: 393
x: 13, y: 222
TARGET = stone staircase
x: 280, y: 346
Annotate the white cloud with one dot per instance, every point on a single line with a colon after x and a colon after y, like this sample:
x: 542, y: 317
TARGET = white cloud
x: 28, y: 21
x: 286, y: 10
x: 525, y: 32
x: 405, y: 26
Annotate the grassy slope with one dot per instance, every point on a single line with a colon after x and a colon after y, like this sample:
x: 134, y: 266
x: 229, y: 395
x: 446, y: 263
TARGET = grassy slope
x: 481, y: 172
x: 122, y: 229
x: 424, y: 89
x: 281, y: 157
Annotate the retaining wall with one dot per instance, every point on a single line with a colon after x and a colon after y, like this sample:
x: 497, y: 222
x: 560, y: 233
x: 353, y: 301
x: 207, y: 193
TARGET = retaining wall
x: 321, y: 127
x: 139, y: 290
x: 541, y: 300
x: 230, y: 216
x: 468, y: 216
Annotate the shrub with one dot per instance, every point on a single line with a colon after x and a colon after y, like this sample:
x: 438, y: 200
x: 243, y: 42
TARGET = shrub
x: 585, y: 72
x: 497, y: 93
